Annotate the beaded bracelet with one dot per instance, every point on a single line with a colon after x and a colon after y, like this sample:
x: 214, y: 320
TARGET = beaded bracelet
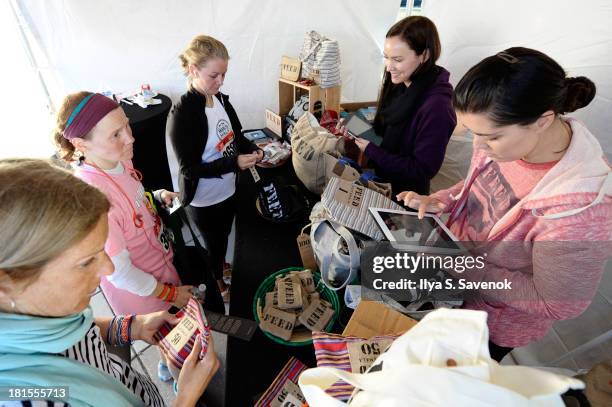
x: 110, y: 330
x: 120, y: 330
x: 126, y: 328
x: 164, y: 292
x: 117, y: 332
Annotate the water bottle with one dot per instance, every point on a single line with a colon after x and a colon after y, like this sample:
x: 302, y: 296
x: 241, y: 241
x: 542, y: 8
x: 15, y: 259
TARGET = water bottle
x: 199, y: 293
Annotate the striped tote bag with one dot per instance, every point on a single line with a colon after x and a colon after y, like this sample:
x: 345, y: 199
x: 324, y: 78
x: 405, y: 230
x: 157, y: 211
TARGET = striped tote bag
x: 347, y: 353
x: 177, y: 341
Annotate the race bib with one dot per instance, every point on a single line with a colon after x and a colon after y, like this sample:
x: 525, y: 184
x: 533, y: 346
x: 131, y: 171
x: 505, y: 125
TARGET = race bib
x: 226, y: 144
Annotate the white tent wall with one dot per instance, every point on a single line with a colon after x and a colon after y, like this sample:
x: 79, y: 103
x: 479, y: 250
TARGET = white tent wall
x: 578, y: 35
x: 118, y: 45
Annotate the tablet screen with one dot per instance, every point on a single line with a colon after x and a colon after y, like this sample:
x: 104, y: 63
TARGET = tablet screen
x: 357, y: 126
x: 408, y: 228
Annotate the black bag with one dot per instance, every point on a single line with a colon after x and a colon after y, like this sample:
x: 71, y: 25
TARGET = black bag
x: 278, y: 202
x: 192, y: 262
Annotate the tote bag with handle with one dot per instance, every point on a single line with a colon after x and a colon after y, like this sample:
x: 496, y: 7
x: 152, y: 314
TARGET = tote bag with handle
x: 442, y: 361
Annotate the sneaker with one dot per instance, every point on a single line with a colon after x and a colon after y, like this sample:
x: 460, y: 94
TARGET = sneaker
x: 227, y: 273
x: 163, y: 373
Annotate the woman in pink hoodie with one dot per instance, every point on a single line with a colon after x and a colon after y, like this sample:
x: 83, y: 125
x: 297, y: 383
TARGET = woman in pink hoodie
x: 537, y: 198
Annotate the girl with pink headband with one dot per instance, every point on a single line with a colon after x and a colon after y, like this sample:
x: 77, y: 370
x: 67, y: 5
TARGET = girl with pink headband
x: 93, y: 129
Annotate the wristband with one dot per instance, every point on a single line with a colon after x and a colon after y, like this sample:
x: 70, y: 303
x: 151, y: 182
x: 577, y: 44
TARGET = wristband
x: 164, y: 292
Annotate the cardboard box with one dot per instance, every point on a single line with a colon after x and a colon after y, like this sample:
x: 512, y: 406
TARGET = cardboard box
x: 372, y: 318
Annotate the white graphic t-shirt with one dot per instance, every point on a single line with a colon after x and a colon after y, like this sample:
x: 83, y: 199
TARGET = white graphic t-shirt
x: 220, y: 143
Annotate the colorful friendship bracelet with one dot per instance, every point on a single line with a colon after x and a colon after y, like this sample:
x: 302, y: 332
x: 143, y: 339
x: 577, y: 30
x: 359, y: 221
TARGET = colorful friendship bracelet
x: 120, y: 330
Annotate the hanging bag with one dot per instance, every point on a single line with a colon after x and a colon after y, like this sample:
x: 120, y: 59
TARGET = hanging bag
x: 336, y: 250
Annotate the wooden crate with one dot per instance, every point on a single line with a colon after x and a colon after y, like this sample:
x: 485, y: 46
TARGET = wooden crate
x: 290, y: 91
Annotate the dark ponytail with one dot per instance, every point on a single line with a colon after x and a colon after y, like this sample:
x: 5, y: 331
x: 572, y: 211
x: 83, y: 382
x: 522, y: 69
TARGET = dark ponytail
x: 518, y: 85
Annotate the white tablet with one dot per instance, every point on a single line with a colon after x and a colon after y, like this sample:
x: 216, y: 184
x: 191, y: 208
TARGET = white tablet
x: 406, y: 231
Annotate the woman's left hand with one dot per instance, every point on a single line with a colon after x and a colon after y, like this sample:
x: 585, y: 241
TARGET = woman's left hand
x: 145, y: 326
x: 361, y: 143
x: 167, y: 197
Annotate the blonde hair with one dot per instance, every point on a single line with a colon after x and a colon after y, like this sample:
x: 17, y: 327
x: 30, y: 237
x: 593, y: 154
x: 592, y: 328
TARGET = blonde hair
x: 202, y: 49
x: 65, y: 148
x: 45, y: 210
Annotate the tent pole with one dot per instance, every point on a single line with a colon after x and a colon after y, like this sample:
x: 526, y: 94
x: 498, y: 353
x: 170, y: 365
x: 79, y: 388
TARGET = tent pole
x: 28, y: 49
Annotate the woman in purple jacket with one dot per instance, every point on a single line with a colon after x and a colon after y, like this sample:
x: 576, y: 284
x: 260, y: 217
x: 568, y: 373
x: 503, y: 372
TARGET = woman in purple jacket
x: 415, y: 116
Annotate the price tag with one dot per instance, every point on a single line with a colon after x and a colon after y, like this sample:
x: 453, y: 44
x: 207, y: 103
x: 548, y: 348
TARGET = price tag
x: 349, y: 194
x: 182, y: 332
x: 255, y: 174
x: 289, y: 396
x: 363, y: 353
x: 306, y: 253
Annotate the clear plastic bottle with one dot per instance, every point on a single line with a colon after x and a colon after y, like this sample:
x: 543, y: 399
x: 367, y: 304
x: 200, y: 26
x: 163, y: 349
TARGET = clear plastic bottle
x: 199, y: 293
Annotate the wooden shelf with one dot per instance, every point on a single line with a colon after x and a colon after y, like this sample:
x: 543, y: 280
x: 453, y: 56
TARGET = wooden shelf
x: 289, y: 92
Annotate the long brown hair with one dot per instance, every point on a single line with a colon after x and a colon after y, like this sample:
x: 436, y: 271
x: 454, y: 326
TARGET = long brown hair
x: 421, y: 34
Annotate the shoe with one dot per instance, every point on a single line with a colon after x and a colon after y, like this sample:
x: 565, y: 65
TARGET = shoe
x: 227, y: 273
x: 163, y: 373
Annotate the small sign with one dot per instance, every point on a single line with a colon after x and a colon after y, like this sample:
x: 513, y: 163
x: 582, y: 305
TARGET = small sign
x: 349, y: 194
x: 274, y: 123
x: 290, y: 68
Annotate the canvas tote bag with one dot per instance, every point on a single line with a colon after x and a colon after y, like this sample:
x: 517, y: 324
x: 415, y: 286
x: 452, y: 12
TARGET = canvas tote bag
x: 309, y: 143
x: 443, y: 361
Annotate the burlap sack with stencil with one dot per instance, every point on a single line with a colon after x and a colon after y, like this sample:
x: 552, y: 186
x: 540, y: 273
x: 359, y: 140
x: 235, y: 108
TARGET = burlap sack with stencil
x: 309, y: 143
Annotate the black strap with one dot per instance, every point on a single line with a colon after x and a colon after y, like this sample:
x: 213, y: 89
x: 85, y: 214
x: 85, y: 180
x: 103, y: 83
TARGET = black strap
x: 182, y: 215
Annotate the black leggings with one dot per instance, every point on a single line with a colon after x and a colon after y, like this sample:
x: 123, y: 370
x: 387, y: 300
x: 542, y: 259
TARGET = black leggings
x: 215, y: 225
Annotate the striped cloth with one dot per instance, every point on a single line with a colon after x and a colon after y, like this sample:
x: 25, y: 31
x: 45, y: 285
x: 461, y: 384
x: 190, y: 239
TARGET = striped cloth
x: 194, y: 310
x: 285, y: 380
x: 320, y: 58
x: 355, y: 214
x: 331, y: 350
x: 91, y: 350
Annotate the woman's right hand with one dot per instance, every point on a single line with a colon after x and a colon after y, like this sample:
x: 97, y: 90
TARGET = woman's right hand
x: 184, y: 293
x: 246, y: 161
x: 422, y: 203
x: 196, y: 374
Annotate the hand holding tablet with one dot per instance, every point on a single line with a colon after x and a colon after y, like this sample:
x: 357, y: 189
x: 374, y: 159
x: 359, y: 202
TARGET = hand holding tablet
x: 421, y: 203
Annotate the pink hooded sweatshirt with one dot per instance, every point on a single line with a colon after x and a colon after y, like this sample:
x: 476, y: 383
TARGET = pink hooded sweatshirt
x: 565, y: 226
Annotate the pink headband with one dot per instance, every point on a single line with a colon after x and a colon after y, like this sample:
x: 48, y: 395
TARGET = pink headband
x: 87, y: 114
